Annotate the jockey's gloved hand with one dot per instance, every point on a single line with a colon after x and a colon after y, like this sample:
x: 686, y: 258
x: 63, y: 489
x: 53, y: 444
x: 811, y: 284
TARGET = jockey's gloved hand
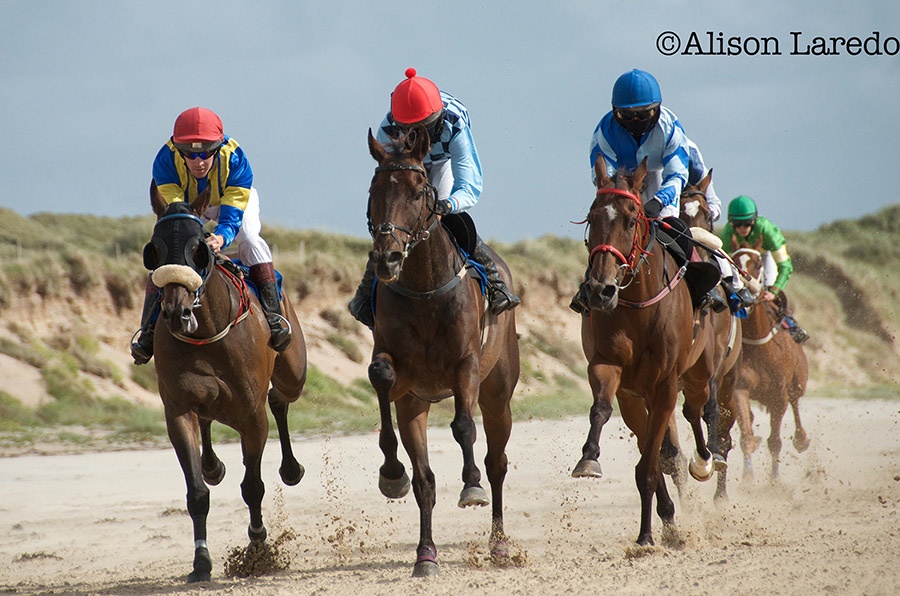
x: 652, y: 208
x: 443, y: 207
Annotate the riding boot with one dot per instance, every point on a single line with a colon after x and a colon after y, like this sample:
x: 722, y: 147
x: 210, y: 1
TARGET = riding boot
x: 579, y: 302
x: 142, y: 349
x: 361, y: 304
x: 797, y: 333
x: 737, y: 299
x: 501, y: 297
x: 713, y: 300
x: 263, y: 276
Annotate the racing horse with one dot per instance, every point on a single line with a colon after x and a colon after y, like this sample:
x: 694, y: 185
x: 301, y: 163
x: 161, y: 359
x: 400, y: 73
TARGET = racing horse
x: 213, y: 363
x: 774, y: 371
x: 434, y: 338
x: 639, y: 340
x: 725, y: 341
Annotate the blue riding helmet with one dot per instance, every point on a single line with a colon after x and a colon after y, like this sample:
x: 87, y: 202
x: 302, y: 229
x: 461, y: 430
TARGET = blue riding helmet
x: 636, y: 89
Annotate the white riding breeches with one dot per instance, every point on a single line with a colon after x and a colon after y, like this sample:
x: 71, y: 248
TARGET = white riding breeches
x: 251, y: 248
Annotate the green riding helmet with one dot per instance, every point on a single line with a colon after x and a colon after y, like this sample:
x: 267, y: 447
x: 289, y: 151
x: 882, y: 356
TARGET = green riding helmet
x: 742, y: 208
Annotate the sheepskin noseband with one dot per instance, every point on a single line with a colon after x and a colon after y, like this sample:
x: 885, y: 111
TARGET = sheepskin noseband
x: 177, y: 274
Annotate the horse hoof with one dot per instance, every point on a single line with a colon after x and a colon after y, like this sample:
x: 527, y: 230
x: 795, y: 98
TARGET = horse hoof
x: 257, y: 534
x: 801, y: 443
x: 291, y: 474
x: 700, y: 469
x: 214, y: 476
x: 587, y: 468
x: 500, y: 553
x: 394, y: 488
x: 472, y: 497
x: 426, y: 563
x: 719, y: 463
x: 426, y: 569
x: 202, y: 566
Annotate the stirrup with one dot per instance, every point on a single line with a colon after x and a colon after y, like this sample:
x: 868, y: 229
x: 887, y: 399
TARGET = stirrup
x: 141, y: 353
x: 502, y: 300
x: 279, y: 335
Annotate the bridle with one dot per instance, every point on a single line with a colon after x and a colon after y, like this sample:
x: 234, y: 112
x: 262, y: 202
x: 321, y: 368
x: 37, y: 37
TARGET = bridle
x: 637, y: 254
x: 419, y: 231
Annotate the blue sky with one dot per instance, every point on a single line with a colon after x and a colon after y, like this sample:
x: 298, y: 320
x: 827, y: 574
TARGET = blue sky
x: 90, y: 91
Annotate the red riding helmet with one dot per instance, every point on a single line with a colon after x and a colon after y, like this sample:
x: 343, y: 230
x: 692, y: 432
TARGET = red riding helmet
x: 415, y: 99
x: 198, y: 125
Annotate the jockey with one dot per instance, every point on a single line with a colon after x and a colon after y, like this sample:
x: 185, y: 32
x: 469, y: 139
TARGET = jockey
x: 639, y: 126
x: 453, y: 169
x: 197, y: 157
x: 746, y: 228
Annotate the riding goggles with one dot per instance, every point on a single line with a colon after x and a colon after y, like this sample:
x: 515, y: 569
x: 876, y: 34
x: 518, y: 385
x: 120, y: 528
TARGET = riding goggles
x: 206, y: 150
x: 644, y: 114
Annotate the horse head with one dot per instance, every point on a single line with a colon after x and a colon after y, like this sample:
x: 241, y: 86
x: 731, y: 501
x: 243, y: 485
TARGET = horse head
x: 695, y: 211
x: 401, y: 201
x: 615, y: 233
x: 750, y: 261
x: 178, y: 258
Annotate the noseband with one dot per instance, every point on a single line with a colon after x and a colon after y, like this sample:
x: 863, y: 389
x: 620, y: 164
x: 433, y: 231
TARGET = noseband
x: 419, y: 232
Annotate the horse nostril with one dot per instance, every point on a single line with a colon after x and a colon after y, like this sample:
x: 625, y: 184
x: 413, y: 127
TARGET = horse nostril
x: 395, y: 256
x: 608, y: 291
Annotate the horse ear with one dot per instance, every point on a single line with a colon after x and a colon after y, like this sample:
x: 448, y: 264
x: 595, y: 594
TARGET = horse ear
x: 421, y: 143
x: 200, y: 204
x: 639, y: 174
x: 600, y: 171
x: 376, y: 149
x: 157, y: 202
x: 704, y: 184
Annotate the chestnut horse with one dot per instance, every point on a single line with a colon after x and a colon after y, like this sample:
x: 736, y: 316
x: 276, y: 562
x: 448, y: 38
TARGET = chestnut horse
x: 774, y: 372
x: 725, y: 341
x: 213, y: 363
x: 639, y: 340
x: 433, y: 338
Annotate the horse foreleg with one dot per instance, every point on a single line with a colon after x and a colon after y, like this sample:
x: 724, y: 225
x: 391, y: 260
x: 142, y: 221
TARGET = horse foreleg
x: 776, y: 416
x: 464, y: 432
x: 412, y: 420
x: 393, y: 481
x: 711, y: 418
x: 253, y: 441
x: 647, y: 474
x: 801, y: 441
x: 182, y: 431
x: 291, y: 470
x: 212, y: 466
x: 604, y: 381
x: 701, y: 464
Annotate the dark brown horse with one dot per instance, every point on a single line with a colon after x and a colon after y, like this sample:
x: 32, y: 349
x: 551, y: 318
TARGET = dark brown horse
x: 640, y: 341
x: 725, y: 341
x: 774, y: 371
x: 213, y: 363
x: 433, y: 339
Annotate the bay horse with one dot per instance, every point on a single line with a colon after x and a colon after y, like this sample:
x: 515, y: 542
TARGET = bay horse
x: 639, y: 340
x: 774, y: 371
x: 213, y: 363
x: 433, y: 338
x: 725, y: 341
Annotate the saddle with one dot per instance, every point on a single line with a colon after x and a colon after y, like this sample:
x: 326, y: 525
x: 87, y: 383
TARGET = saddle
x: 701, y: 276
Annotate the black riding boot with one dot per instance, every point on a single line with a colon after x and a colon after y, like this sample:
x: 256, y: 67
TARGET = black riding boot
x: 142, y: 349
x: 263, y: 275
x: 797, y: 333
x: 361, y: 304
x: 501, y: 297
x: 579, y: 302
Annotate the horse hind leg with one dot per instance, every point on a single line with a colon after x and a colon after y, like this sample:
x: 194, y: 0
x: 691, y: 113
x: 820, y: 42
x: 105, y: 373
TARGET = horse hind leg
x: 497, y: 422
x: 211, y: 466
x: 776, y: 416
x: 464, y: 432
x: 253, y: 441
x: 291, y: 470
x: 393, y: 481
x: 801, y: 440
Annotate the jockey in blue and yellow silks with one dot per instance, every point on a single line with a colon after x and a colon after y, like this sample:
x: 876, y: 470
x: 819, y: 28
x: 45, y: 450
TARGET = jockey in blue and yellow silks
x: 199, y: 156
x: 230, y: 180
